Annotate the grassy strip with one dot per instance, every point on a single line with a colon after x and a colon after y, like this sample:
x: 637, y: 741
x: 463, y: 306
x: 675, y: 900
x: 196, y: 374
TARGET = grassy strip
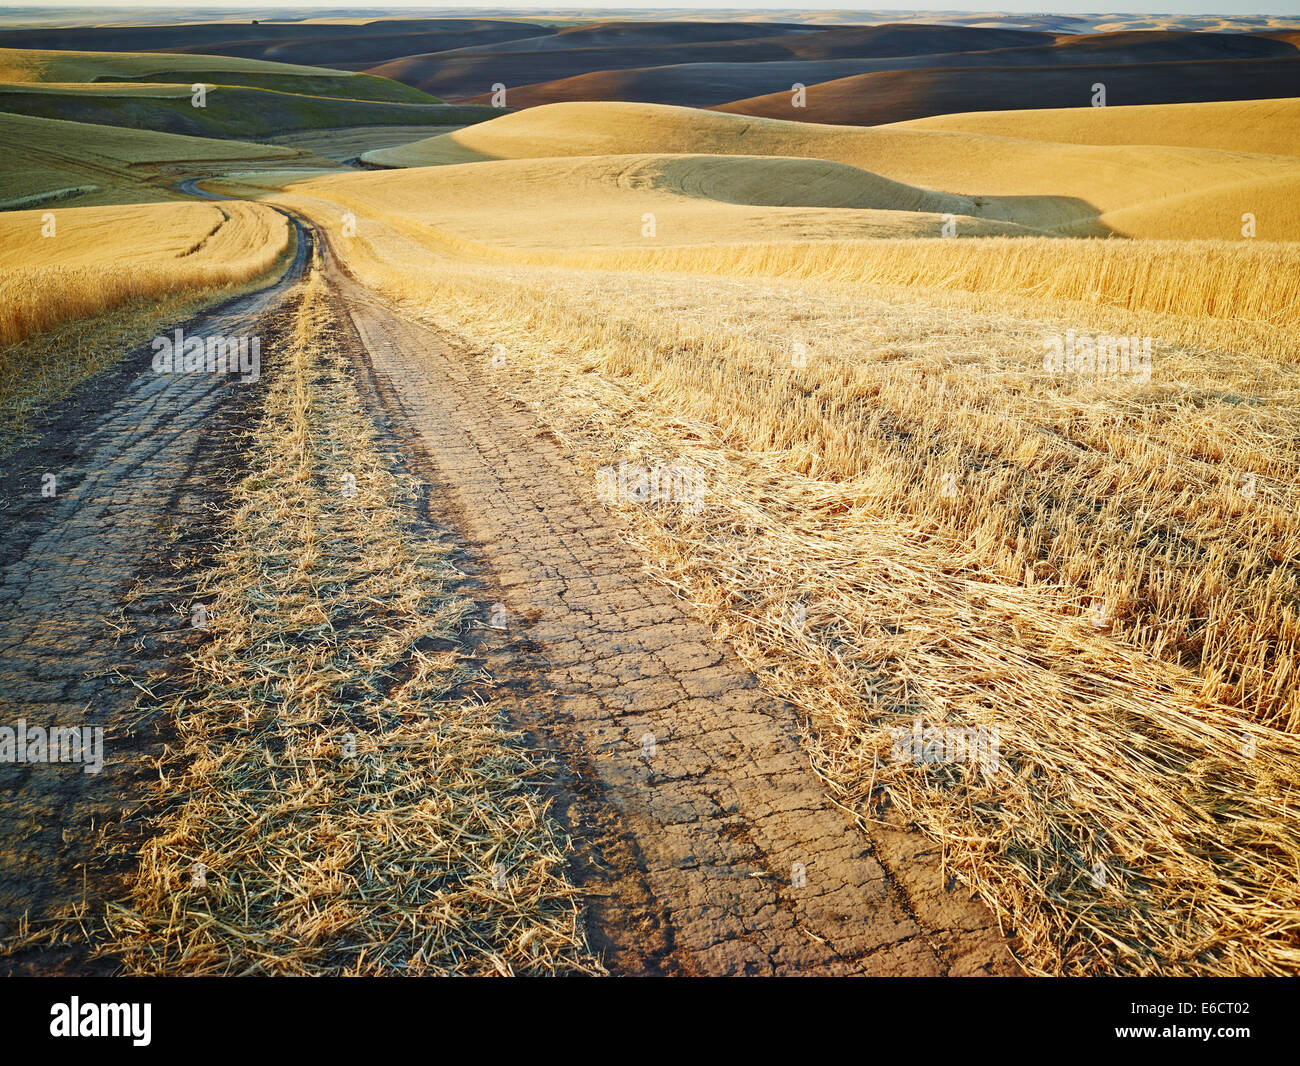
x: 352, y: 811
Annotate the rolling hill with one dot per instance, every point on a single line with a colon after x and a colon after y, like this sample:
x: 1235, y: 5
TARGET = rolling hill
x: 613, y: 47
x: 822, y: 58
x: 693, y: 200
x: 35, y: 66
x: 44, y: 161
x: 243, y: 98
x: 1264, y: 126
x: 229, y: 110
x: 347, y: 43
x: 894, y: 96
x: 1040, y: 185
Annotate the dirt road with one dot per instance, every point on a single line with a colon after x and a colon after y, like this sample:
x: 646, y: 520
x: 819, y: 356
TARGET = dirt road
x: 703, y: 842
x: 132, y: 466
x: 706, y: 844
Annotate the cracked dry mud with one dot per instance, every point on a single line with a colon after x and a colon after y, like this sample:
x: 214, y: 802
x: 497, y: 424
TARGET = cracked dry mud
x: 706, y: 844
x: 709, y: 849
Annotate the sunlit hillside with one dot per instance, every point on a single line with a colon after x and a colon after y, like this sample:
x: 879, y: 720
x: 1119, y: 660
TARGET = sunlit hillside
x: 1039, y: 184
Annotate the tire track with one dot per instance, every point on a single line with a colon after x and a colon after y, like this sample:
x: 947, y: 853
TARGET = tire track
x: 132, y: 457
x: 705, y: 843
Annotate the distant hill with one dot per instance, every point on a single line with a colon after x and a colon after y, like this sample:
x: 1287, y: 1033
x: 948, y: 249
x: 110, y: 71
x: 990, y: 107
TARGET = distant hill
x: 893, y: 96
x: 820, y: 58
x: 349, y: 45
x: 608, y: 48
x: 229, y: 110
x: 246, y: 99
x: 45, y: 161
x: 35, y: 66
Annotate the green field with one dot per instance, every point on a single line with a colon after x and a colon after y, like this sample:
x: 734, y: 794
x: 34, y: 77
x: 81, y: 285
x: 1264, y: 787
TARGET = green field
x: 44, y: 160
x: 229, y: 110
x: 34, y: 66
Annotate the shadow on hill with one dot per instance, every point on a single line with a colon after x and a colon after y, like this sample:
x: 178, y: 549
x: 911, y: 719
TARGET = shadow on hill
x: 232, y: 112
x: 1054, y: 216
x: 691, y: 80
x: 899, y: 95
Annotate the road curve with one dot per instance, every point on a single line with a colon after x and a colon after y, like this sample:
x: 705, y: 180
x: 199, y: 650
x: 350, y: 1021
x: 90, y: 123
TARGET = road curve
x: 704, y: 844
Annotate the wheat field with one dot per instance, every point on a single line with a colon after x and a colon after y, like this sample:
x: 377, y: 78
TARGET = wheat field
x: 78, y: 286
x: 97, y: 259
x: 998, y: 421
x: 1044, y: 185
x: 1068, y: 188
x: 1258, y: 126
x: 89, y: 165
x: 788, y: 217
x: 1100, y: 565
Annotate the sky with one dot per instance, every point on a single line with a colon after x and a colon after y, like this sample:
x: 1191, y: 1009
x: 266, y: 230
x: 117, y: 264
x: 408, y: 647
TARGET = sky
x: 1071, y: 7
